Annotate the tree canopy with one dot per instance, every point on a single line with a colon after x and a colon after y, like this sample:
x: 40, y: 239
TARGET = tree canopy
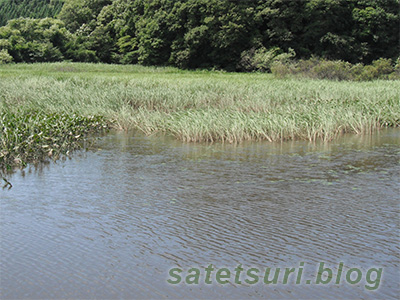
x: 217, y: 33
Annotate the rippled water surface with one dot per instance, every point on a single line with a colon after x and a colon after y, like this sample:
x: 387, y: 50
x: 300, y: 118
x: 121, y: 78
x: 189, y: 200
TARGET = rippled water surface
x: 111, y: 223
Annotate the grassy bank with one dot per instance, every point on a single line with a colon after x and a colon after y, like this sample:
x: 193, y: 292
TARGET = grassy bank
x: 199, y: 106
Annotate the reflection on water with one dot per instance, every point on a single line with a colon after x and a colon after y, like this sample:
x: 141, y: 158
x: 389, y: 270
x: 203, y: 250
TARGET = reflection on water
x: 111, y: 223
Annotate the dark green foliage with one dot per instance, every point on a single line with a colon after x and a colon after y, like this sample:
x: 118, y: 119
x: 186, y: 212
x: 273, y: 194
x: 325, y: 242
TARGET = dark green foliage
x: 75, y: 13
x: 217, y: 33
x: 283, y: 24
x: 87, y: 21
x: 225, y: 34
x: 13, y: 9
x: 376, y: 28
x: 211, y: 33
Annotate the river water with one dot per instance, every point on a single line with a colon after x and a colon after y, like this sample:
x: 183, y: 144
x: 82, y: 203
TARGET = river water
x: 111, y: 223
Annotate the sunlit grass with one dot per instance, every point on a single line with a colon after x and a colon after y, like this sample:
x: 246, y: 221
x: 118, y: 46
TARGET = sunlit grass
x: 197, y: 106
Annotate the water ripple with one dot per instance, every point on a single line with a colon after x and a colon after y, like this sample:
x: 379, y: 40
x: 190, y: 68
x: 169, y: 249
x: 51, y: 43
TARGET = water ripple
x: 110, y: 224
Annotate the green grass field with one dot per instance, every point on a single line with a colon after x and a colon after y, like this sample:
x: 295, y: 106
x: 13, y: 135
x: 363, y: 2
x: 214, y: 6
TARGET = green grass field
x: 199, y: 106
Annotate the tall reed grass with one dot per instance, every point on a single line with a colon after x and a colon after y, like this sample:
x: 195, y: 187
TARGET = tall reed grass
x: 200, y: 106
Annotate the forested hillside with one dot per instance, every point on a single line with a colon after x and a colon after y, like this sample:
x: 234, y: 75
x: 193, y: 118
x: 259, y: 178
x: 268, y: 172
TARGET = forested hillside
x: 12, y: 9
x: 225, y: 34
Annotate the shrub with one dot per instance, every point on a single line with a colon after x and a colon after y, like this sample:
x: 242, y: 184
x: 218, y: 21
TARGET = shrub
x: 368, y: 73
x: 5, y: 57
x: 338, y: 70
x: 306, y: 66
x: 82, y: 55
x: 262, y: 59
x: 334, y: 70
x: 280, y: 69
x: 383, y: 67
x: 397, y: 66
x: 396, y: 71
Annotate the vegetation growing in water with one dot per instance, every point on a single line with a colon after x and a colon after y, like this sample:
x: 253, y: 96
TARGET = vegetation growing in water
x: 32, y: 136
x: 202, y: 106
x: 47, y: 110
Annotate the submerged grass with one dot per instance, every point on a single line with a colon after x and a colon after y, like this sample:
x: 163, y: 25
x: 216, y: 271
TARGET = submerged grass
x: 193, y: 106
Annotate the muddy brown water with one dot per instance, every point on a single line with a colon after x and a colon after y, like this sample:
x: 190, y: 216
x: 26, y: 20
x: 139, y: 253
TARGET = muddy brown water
x: 110, y: 224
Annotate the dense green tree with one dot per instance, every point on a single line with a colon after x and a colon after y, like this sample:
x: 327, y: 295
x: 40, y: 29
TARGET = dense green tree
x: 34, y: 40
x: 282, y: 24
x: 328, y: 30
x: 91, y: 37
x: 82, y: 13
x: 211, y: 33
x: 185, y: 33
x: 376, y: 28
x: 216, y: 33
